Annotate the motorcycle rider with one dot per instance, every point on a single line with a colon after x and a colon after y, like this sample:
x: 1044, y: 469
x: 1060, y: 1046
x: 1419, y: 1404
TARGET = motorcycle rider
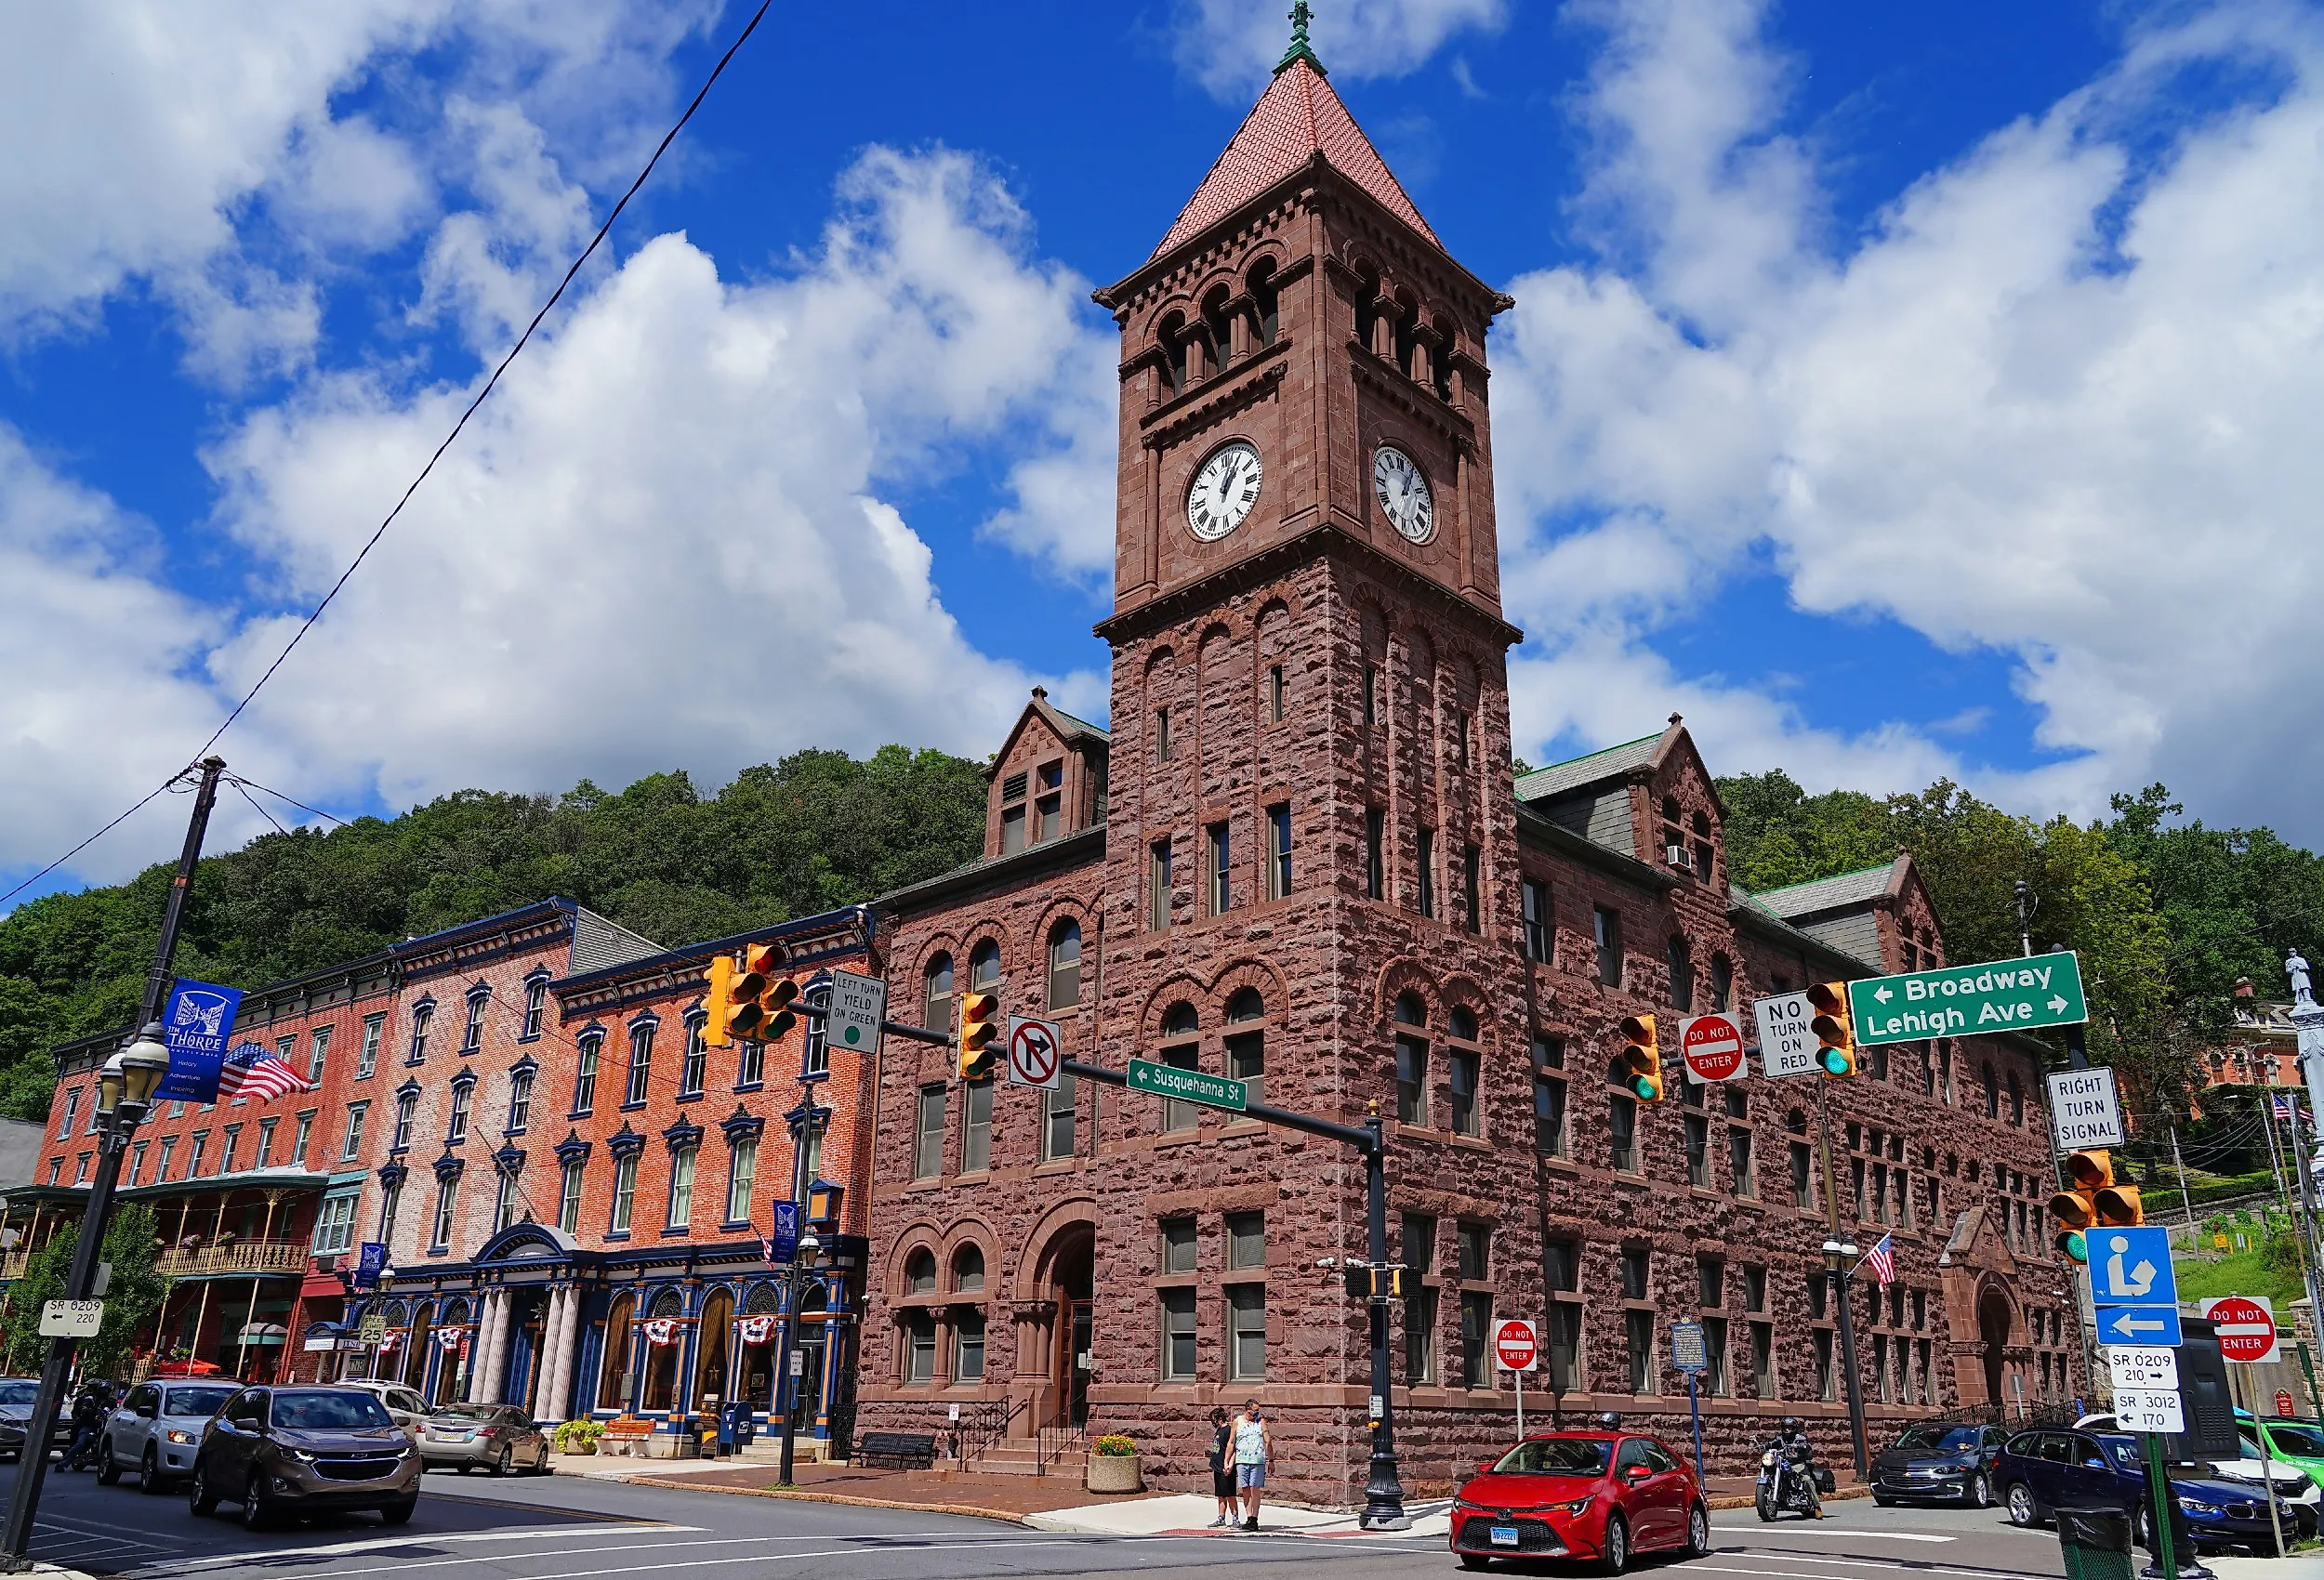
x: 90, y: 1408
x: 1792, y: 1440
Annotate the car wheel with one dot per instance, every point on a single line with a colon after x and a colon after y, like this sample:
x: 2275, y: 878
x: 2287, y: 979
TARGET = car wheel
x: 2024, y: 1511
x: 1475, y: 1561
x: 149, y: 1471
x: 257, y: 1506
x: 506, y: 1461
x: 108, y: 1467
x: 201, y: 1498
x: 541, y: 1465
x: 1614, y: 1552
x: 464, y: 1466
x: 399, y: 1513
x: 1980, y: 1492
x: 1698, y: 1532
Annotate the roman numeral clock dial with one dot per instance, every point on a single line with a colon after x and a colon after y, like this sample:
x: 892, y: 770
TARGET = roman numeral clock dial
x: 1226, y: 487
x: 1404, y: 493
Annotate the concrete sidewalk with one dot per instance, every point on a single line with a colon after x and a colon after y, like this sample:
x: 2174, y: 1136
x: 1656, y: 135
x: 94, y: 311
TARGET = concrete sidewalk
x: 1190, y: 1514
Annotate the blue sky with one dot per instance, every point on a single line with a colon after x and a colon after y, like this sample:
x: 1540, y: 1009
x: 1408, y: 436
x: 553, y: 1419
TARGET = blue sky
x: 1894, y: 395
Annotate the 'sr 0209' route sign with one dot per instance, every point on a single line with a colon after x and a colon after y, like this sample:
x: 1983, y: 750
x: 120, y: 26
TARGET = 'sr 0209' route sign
x: 1998, y: 996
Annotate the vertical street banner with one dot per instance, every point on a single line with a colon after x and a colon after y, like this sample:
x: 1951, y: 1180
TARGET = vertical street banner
x: 783, y: 1245
x: 197, y: 1023
x: 369, y: 1262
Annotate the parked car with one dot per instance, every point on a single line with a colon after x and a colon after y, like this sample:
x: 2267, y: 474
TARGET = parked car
x: 157, y: 1430
x: 1601, y: 1495
x: 499, y: 1437
x: 2249, y: 1470
x: 1932, y: 1460
x: 291, y: 1451
x: 411, y: 1412
x: 2040, y: 1471
x: 2294, y: 1442
x: 18, y: 1397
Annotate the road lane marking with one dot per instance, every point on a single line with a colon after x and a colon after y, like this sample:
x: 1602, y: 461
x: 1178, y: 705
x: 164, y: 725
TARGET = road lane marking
x: 1879, y: 1563
x: 1845, y: 1533
x: 1059, y: 1540
x: 895, y: 1539
x: 380, y: 1544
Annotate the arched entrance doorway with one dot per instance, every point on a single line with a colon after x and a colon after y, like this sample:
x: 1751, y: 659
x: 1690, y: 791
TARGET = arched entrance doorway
x: 1993, y: 1324
x: 1072, y: 1265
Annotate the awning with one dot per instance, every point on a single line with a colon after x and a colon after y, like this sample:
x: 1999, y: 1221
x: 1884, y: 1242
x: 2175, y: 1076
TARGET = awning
x: 257, y: 1334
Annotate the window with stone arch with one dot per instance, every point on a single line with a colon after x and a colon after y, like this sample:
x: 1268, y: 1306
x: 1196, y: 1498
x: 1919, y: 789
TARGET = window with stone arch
x: 1064, y: 964
x: 1247, y: 1040
x: 1463, y: 1060
x: 1411, y: 1061
x: 1170, y: 337
x: 936, y: 991
x: 968, y: 1270
x: 1721, y: 982
x: 1682, y: 959
x: 1180, y: 1049
x: 1217, y: 332
x: 920, y: 1272
x: 1266, y: 319
x: 984, y: 967
x: 1441, y: 355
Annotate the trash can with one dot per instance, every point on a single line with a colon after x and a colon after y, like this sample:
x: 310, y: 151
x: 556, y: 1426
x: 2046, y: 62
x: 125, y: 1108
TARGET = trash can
x: 2096, y: 1542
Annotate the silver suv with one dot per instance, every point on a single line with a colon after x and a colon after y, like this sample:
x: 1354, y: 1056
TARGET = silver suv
x: 411, y: 1412
x: 157, y: 1430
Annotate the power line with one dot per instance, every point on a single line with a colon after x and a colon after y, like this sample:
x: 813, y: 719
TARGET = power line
x: 238, y: 782
x: 482, y: 395
x: 259, y: 809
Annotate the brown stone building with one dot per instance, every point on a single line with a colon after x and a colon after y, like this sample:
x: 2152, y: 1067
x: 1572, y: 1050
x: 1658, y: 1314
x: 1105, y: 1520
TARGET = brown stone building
x: 1299, y: 858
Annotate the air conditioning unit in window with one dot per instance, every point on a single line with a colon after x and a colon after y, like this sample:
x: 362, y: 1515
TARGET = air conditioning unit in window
x: 1676, y: 856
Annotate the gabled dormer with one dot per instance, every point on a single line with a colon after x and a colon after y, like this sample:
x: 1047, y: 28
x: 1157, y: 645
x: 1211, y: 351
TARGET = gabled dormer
x: 1879, y: 914
x: 1047, y: 780
x: 1651, y: 799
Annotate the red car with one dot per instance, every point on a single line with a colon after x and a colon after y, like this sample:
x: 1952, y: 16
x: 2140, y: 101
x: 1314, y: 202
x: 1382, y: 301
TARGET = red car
x: 1598, y: 1496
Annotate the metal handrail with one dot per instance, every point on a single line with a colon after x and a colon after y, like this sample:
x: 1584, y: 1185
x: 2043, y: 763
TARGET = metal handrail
x: 987, y: 1423
x: 1052, y: 1444
x: 250, y: 1256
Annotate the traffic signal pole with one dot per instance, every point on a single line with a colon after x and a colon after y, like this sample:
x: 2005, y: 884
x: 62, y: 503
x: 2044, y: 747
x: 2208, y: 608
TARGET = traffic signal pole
x: 31, y: 1469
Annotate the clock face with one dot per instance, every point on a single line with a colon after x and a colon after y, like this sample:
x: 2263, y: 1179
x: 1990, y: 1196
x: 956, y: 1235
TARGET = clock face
x: 1404, y: 493
x: 1224, y: 489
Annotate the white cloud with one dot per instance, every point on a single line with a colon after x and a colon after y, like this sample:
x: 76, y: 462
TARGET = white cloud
x: 664, y: 540
x: 2059, y: 402
x: 1230, y: 46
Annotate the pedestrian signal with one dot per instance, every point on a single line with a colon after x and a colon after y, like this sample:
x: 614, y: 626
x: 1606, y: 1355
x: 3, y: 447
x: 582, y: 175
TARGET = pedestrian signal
x: 1838, y: 1054
x: 979, y: 1034
x: 1638, y: 1067
x: 1375, y: 1281
x: 2091, y: 1200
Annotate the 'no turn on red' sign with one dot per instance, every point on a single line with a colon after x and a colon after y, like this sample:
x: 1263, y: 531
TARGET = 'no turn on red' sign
x: 1712, y: 1046
x: 2246, y: 1326
x: 1515, y: 1346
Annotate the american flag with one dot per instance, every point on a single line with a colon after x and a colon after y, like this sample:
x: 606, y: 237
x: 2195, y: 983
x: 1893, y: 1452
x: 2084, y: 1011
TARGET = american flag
x: 2283, y: 1107
x: 251, y: 1071
x: 1882, y: 1259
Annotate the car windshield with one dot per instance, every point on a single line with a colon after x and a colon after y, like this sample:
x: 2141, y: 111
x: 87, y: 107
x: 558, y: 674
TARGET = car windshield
x: 196, y: 1401
x: 1555, y: 1457
x: 2291, y: 1437
x: 1937, y: 1440
x: 329, y: 1412
x: 468, y: 1413
x: 18, y: 1394
x: 2125, y: 1452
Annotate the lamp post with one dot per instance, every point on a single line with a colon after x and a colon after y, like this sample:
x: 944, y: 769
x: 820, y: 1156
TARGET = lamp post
x: 1840, y: 1256
x: 124, y: 1095
x: 807, y: 1120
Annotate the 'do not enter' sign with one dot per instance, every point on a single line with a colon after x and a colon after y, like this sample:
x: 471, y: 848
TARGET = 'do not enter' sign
x: 1514, y: 1346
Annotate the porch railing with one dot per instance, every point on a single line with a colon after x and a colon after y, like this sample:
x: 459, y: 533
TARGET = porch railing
x: 249, y: 1256
x: 13, y: 1265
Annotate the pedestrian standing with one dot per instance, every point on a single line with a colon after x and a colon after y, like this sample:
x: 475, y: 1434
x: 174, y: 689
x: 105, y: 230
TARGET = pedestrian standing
x: 1222, y: 1469
x: 1254, y: 1450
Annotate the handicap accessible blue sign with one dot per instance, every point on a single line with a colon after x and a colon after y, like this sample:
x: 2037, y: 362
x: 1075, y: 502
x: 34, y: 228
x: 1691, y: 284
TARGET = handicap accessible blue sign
x: 2133, y: 1285
x: 195, y: 1025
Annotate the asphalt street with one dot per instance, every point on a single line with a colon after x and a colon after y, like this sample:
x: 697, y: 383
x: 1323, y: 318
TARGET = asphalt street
x: 573, y: 1528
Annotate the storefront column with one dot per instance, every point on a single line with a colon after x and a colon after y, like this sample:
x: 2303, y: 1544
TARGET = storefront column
x: 492, y: 1334
x: 557, y: 1359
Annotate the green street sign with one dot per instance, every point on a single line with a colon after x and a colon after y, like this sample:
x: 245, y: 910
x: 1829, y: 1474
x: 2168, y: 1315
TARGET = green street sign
x: 1188, y: 1086
x: 1996, y: 996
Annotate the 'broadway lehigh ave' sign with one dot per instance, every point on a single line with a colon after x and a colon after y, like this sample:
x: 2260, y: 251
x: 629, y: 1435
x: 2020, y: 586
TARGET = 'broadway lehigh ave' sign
x: 1999, y: 995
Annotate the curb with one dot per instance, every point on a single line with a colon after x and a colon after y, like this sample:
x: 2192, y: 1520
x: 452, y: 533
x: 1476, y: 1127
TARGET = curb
x: 799, y: 1494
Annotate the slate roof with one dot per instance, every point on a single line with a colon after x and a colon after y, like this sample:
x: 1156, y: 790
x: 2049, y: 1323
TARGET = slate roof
x: 1857, y: 887
x: 1297, y: 117
x: 1572, y: 774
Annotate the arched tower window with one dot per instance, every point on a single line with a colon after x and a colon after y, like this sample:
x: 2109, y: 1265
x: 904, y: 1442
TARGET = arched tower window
x: 1247, y: 1040
x: 1265, y: 301
x: 1172, y: 338
x: 936, y: 993
x: 920, y: 1272
x: 968, y: 1270
x: 1181, y: 1049
x: 1412, y: 1074
x: 1064, y: 964
x: 1441, y: 360
x: 1218, y: 329
x: 984, y: 966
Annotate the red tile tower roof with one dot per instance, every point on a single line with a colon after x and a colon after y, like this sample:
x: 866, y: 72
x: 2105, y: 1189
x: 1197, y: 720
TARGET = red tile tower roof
x: 1297, y: 117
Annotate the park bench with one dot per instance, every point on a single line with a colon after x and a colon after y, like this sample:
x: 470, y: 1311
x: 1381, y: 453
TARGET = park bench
x: 907, y: 1451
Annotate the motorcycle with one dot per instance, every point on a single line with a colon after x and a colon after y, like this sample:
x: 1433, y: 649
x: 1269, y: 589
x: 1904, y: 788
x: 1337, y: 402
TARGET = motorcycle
x: 1787, y: 1480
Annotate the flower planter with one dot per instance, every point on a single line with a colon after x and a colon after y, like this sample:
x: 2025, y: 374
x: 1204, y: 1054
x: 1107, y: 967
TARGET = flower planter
x: 1114, y: 1473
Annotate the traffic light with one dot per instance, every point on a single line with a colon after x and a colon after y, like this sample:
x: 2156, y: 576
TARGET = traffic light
x: 2091, y: 1200
x: 1639, y: 1065
x: 1375, y: 1281
x: 1838, y: 1055
x: 979, y: 1028
x: 717, y: 1002
x: 748, y: 1001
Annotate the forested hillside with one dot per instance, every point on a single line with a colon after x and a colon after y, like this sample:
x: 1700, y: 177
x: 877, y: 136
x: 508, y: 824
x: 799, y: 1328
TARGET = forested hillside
x: 2165, y: 911
x: 817, y: 830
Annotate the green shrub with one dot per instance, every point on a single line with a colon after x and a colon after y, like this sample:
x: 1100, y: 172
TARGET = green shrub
x: 578, y: 1436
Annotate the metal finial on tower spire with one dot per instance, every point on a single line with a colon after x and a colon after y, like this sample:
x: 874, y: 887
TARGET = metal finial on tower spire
x: 1300, y: 49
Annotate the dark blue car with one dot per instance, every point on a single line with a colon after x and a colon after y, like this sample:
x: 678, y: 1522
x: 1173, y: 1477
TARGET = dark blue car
x: 2042, y: 1470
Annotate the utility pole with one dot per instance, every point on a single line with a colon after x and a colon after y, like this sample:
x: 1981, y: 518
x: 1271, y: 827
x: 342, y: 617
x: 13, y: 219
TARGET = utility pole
x: 16, y: 1537
x: 2186, y: 1201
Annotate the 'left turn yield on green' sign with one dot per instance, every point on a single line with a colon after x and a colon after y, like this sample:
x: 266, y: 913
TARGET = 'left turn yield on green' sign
x: 1997, y: 996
